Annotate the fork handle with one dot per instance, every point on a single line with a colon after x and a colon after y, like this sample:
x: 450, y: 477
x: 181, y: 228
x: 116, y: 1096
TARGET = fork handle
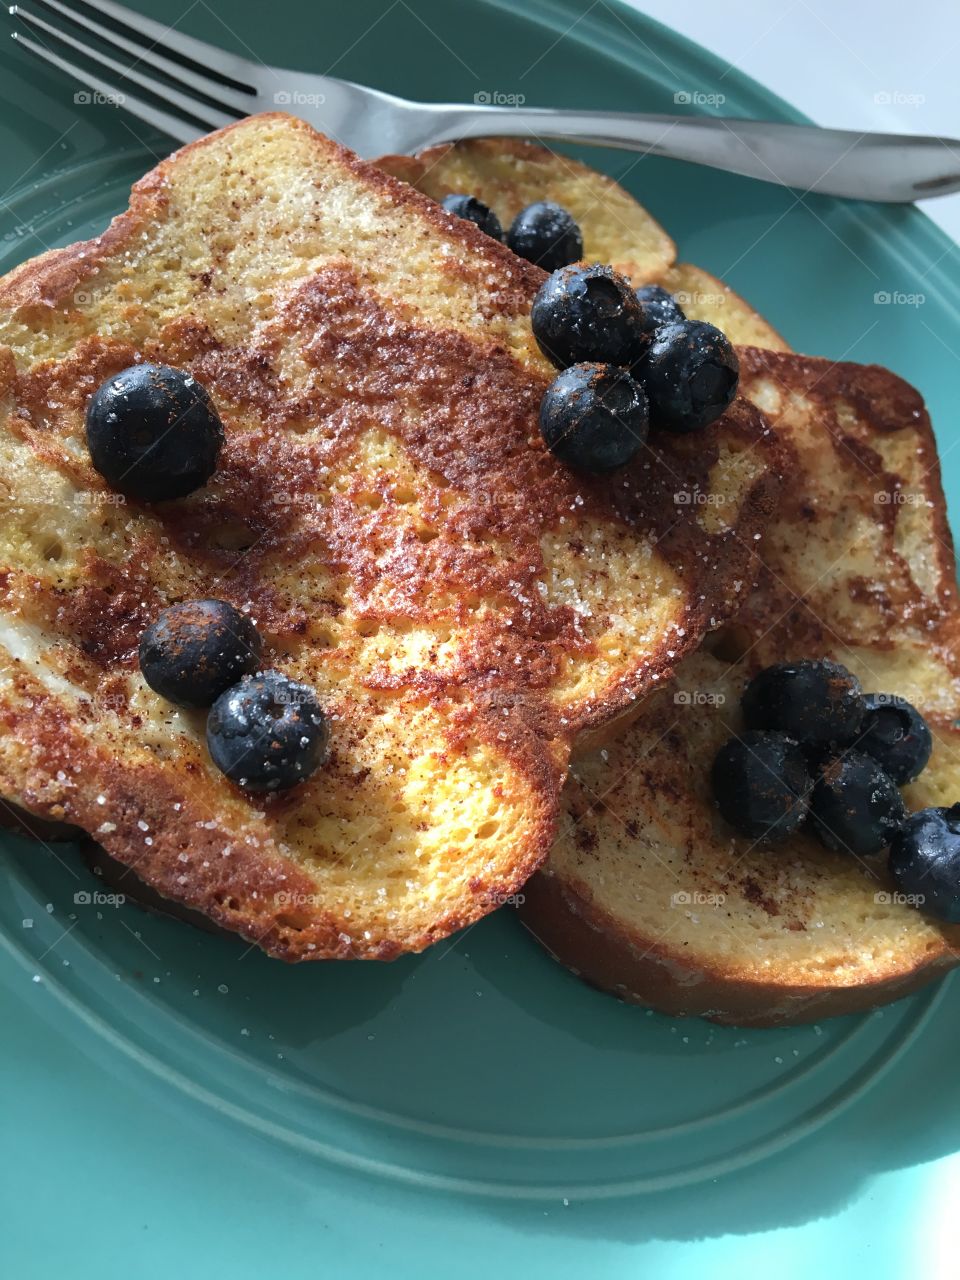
x: 866, y: 166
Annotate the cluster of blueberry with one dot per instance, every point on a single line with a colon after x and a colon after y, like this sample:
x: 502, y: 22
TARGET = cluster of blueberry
x: 154, y: 434
x: 543, y: 233
x: 630, y: 359
x: 820, y: 752
x: 265, y: 731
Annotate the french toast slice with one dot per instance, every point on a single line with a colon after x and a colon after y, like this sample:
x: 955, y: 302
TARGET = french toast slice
x: 507, y: 174
x: 647, y: 893
x: 385, y: 511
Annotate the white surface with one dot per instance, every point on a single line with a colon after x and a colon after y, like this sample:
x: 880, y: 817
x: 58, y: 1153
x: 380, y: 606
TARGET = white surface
x: 854, y: 64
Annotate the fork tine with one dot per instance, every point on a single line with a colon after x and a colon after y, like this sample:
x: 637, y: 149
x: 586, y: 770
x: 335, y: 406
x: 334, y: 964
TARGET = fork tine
x: 192, y: 106
x: 201, y: 111
x: 240, y: 70
x: 180, y: 129
x: 144, y: 52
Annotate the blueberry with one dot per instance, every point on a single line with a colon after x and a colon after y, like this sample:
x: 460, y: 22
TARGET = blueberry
x: 268, y: 732
x: 761, y: 784
x: 196, y: 650
x: 925, y: 860
x: 594, y: 417
x: 587, y: 314
x: 473, y: 210
x: 896, y: 735
x: 816, y: 702
x: 153, y: 432
x: 855, y: 806
x: 546, y: 234
x: 691, y: 373
x: 659, y: 307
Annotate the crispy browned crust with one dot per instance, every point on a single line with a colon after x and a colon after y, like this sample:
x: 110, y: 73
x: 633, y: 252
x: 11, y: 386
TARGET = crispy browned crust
x: 13, y: 817
x: 594, y: 946
x: 476, y: 431
x: 119, y: 879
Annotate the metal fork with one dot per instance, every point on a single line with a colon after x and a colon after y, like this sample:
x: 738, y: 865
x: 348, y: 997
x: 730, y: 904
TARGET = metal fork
x: 201, y: 87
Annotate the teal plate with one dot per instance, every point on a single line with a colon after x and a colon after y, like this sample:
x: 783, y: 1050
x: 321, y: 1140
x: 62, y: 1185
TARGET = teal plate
x: 175, y: 1102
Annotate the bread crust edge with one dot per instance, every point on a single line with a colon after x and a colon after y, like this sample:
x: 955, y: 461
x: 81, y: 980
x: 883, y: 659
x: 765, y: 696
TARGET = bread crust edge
x: 598, y: 950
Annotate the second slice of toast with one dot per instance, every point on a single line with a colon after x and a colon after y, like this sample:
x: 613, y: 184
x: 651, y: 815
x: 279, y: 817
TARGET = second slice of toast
x: 648, y: 893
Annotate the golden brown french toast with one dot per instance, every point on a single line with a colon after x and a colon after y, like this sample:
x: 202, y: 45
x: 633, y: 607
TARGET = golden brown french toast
x: 384, y: 509
x: 507, y: 174
x: 647, y: 892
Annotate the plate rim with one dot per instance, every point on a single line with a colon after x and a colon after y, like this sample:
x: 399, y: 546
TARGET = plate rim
x: 918, y: 227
